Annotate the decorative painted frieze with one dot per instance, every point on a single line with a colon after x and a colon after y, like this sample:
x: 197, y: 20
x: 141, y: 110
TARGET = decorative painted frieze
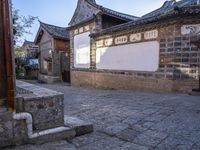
x: 190, y: 29
x: 76, y: 31
x: 87, y: 28
x: 135, y: 37
x: 109, y: 42
x: 153, y: 34
x: 121, y: 40
x: 99, y: 43
x: 81, y: 30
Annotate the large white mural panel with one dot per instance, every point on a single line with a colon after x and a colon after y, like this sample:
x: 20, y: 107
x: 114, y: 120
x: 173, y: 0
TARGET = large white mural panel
x: 82, y: 50
x: 133, y: 57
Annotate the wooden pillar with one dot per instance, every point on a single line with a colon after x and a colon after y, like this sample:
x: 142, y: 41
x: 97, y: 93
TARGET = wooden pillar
x: 8, y: 55
x: 2, y: 61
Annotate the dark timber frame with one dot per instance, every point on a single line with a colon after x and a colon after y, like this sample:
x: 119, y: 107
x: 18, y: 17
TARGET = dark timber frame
x: 7, y: 57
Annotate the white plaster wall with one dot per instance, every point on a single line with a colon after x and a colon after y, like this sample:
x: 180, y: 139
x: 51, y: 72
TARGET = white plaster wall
x: 82, y: 50
x: 134, y: 57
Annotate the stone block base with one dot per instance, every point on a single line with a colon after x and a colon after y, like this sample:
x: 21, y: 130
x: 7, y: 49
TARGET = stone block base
x: 72, y: 127
x: 108, y: 80
x: 39, y: 118
x: 194, y: 93
x: 81, y: 127
x: 49, y: 79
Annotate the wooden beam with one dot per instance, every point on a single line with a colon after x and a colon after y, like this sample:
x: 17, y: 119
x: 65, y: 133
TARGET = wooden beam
x: 2, y: 61
x: 9, y: 55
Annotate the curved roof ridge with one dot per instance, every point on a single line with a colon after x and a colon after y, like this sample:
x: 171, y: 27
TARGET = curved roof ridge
x: 168, y: 6
x: 113, y: 12
x: 184, y: 11
x: 55, y: 31
x: 51, y: 25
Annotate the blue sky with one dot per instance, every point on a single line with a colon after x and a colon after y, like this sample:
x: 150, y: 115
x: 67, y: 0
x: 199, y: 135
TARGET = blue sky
x: 59, y: 12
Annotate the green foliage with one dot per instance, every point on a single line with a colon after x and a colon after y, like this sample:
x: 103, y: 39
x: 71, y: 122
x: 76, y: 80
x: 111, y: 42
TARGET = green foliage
x: 21, y: 24
x: 19, y: 51
x: 20, y: 72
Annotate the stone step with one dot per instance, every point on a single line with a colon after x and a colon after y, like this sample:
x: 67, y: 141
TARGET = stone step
x: 64, y: 134
x: 72, y: 127
x: 81, y: 127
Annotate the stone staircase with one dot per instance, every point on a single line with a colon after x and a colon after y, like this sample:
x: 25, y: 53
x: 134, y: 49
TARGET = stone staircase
x: 39, y: 118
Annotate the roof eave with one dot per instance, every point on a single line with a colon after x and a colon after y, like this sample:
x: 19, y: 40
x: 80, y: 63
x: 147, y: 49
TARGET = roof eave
x: 82, y: 23
x: 36, y: 41
x: 146, y: 21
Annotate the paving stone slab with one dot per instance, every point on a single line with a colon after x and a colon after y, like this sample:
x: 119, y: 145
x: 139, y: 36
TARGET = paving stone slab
x: 108, y: 143
x: 132, y: 146
x: 172, y: 143
x: 128, y: 135
x: 150, y: 138
x: 196, y: 146
x: 87, y: 139
x: 115, y: 128
x: 60, y: 145
x: 81, y: 127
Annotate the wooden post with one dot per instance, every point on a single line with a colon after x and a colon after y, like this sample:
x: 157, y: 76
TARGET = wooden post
x: 2, y: 61
x: 9, y: 54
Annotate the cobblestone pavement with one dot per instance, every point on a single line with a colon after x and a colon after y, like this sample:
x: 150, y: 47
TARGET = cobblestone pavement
x: 129, y: 120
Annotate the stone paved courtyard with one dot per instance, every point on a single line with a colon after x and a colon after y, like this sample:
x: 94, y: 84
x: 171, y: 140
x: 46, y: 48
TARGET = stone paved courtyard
x: 129, y: 120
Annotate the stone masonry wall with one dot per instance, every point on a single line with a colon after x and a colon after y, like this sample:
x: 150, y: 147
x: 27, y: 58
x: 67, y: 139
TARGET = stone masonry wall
x: 46, y: 106
x: 178, y: 68
x: 12, y: 132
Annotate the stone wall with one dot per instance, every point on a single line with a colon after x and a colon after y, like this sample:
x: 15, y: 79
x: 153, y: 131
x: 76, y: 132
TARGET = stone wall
x: 178, y: 64
x: 108, y: 80
x: 12, y: 132
x: 46, y: 106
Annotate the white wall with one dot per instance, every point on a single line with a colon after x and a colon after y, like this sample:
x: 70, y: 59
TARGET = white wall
x: 134, y: 57
x: 82, y: 50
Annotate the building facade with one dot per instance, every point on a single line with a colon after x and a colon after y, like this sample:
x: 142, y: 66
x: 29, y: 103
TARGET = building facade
x: 154, y: 52
x: 54, y: 53
x: 31, y: 49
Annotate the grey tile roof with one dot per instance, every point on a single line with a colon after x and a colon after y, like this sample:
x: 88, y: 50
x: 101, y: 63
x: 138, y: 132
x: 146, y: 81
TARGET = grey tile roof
x: 55, y: 31
x: 177, y: 13
x: 113, y: 13
x: 170, y: 5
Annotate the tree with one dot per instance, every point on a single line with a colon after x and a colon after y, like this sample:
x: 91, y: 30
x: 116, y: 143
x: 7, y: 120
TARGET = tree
x: 21, y: 25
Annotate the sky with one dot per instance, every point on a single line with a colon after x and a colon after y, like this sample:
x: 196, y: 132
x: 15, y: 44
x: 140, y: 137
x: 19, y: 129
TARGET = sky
x: 60, y: 12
